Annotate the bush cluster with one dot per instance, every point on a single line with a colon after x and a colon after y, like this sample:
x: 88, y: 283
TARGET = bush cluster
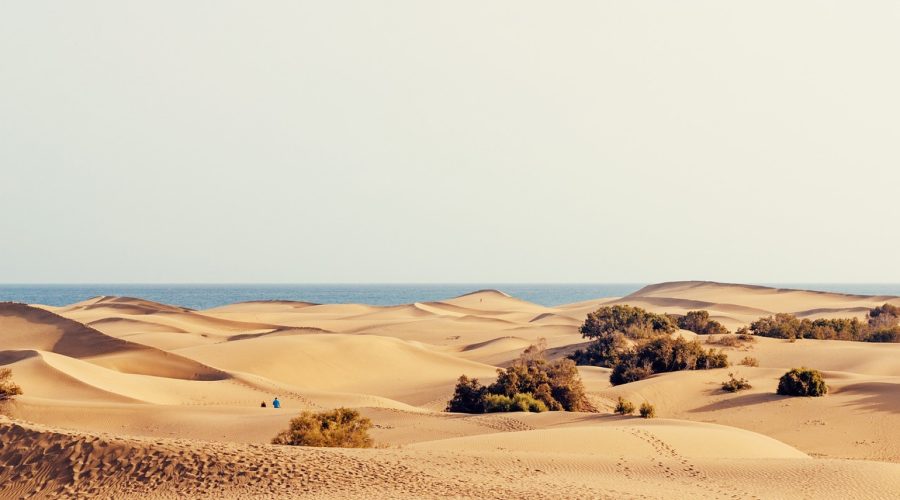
x: 749, y: 361
x: 735, y: 384
x: 882, y: 325
x: 342, y: 427
x: 699, y: 322
x: 531, y: 383
x: 664, y: 354
x: 636, y: 344
x: 8, y: 388
x: 647, y: 410
x: 632, y: 322
x: 624, y: 407
x: 802, y: 382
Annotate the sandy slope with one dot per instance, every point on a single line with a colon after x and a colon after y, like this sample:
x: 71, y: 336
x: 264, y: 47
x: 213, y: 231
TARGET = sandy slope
x: 125, y: 397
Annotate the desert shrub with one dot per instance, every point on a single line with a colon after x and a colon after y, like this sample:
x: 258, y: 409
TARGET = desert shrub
x: 699, y: 322
x: 734, y: 341
x: 749, y: 361
x: 342, y: 427
x: 8, y: 388
x: 735, y: 384
x: 647, y: 410
x: 802, y: 382
x: 665, y: 354
x: 556, y: 385
x: 468, y: 397
x: 884, y: 335
x: 624, y: 407
x: 633, y: 322
x: 884, y: 317
x: 782, y: 326
x: 520, y: 402
x: 604, y: 351
x: 788, y: 326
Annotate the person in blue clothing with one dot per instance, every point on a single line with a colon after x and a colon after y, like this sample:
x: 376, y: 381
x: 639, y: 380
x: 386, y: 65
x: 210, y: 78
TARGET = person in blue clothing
x: 276, y: 403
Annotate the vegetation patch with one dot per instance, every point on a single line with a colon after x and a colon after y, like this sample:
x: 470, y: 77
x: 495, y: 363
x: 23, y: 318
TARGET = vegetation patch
x: 8, y: 388
x: 340, y: 428
x: 531, y: 383
x: 802, y: 382
x: 647, y: 410
x: 749, y: 361
x: 699, y: 322
x: 734, y: 384
x: 882, y: 325
x: 624, y: 407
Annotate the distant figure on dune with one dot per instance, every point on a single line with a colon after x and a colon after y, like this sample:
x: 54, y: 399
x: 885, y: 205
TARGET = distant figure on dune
x: 276, y: 403
x: 262, y: 405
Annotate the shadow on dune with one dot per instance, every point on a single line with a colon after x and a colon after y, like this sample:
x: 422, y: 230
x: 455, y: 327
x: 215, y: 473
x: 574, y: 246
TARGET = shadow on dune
x: 738, y: 401
x: 877, y: 396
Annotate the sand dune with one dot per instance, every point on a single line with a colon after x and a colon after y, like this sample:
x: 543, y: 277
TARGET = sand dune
x: 126, y: 397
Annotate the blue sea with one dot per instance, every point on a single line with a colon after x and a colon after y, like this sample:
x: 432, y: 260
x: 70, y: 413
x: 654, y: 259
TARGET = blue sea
x: 200, y: 296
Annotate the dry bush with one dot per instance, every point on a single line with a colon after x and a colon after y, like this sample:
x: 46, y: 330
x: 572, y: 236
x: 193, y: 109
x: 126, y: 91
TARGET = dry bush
x: 735, y: 384
x: 624, y: 407
x: 555, y: 384
x: 8, y: 388
x: 802, y: 382
x: 647, y: 410
x: 342, y: 428
x: 749, y: 361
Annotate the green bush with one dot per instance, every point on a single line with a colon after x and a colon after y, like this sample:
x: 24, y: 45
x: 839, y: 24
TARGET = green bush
x: 665, y: 354
x: 519, y: 402
x: 8, y: 388
x: 802, y: 382
x: 883, y: 326
x: 555, y: 384
x: 624, y: 407
x: 699, y: 322
x: 749, y: 361
x: 342, y: 427
x: 603, y: 351
x: 647, y: 410
x: 468, y: 397
x: 633, y: 322
x: 735, y: 384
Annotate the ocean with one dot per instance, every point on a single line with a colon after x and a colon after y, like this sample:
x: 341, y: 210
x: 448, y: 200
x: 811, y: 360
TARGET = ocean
x: 200, y: 296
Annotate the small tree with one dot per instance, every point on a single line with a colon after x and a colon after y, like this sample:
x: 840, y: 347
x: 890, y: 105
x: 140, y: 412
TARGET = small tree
x: 468, y: 397
x: 647, y: 410
x: 735, y: 384
x: 8, y: 388
x: 342, y: 427
x: 633, y: 322
x: 624, y: 407
x: 802, y: 382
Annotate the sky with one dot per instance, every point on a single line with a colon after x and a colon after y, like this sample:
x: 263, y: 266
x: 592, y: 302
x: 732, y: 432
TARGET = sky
x: 468, y: 141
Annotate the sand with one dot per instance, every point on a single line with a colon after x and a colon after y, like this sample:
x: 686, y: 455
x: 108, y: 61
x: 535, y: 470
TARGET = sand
x: 128, y: 398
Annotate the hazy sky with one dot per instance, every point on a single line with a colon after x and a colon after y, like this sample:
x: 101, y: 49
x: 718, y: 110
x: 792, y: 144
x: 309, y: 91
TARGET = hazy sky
x: 466, y: 141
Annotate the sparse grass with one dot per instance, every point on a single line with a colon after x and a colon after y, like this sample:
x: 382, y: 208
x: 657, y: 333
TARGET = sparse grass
x: 802, y: 382
x: 735, y: 384
x: 647, y: 410
x: 749, y: 361
x: 339, y: 428
x: 624, y: 407
x: 8, y: 388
